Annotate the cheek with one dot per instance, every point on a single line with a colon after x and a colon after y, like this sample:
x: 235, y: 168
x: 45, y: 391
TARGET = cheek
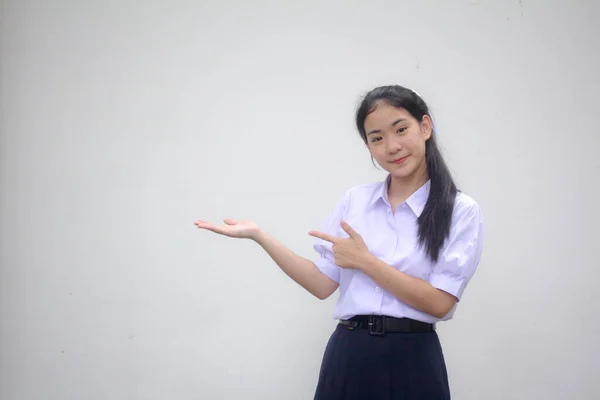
x: 378, y: 156
x: 417, y: 147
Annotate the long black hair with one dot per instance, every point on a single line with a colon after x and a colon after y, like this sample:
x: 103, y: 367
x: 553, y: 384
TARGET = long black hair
x: 436, y: 218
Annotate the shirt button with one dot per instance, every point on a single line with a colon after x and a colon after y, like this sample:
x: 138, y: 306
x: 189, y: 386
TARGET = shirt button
x: 378, y: 289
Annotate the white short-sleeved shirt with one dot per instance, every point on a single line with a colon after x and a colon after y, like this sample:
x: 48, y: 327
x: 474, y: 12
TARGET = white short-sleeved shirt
x: 392, y: 237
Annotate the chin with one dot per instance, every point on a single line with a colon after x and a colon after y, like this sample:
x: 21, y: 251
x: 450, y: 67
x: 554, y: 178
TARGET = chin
x: 402, y: 173
x: 406, y: 170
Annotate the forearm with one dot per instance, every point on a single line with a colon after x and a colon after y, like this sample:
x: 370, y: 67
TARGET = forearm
x: 413, y: 291
x: 301, y: 270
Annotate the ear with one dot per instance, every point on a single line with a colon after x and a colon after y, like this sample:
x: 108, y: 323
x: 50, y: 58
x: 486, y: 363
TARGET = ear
x: 426, y: 127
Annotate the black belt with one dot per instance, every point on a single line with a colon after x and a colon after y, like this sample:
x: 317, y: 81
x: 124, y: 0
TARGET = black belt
x: 379, y: 325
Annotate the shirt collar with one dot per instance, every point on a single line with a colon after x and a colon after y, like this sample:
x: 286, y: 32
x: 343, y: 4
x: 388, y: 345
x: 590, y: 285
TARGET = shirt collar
x: 416, y: 201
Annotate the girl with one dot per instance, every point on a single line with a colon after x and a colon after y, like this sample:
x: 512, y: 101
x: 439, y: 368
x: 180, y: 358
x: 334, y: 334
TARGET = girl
x: 401, y: 253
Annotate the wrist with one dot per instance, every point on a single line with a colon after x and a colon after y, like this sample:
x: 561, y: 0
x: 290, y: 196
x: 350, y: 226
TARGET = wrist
x: 259, y: 236
x: 367, y: 262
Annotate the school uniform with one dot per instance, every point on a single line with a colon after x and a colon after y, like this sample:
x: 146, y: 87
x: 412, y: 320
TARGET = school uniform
x: 382, y: 348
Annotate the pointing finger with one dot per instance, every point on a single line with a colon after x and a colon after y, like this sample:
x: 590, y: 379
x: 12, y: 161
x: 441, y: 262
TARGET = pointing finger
x: 324, y: 236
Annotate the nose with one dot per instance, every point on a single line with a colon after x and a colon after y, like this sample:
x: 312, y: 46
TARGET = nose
x: 394, y: 146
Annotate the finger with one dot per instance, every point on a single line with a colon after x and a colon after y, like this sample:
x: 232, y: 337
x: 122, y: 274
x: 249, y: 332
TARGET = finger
x: 210, y: 227
x: 348, y: 229
x: 324, y: 236
x: 230, y: 221
x: 202, y: 224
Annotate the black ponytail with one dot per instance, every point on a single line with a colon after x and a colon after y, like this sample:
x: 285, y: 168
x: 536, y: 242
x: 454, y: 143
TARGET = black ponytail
x: 436, y: 218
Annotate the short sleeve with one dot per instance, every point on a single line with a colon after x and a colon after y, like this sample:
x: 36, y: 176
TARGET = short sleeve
x: 326, y: 258
x: 461, y: 254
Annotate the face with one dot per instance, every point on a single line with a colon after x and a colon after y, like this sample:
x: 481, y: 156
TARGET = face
x: 396, y: 140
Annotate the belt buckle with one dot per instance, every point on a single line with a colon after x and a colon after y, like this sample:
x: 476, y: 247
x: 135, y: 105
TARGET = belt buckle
x: 373, y: 319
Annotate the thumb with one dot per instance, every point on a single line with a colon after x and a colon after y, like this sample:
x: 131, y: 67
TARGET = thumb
x: 351, y: 232
x: 230, y: 221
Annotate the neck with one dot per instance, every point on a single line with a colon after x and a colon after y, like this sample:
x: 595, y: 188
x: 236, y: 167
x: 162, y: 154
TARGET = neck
x: 401, y: 188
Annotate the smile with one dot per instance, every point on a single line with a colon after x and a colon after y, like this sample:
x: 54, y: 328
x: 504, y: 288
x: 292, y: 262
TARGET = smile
x: 400, y: 160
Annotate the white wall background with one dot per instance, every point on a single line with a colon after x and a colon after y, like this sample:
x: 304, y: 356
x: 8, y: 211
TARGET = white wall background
x: 122, y: 122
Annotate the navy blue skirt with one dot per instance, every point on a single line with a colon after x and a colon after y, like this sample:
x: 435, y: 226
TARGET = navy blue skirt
x: 398, y: 366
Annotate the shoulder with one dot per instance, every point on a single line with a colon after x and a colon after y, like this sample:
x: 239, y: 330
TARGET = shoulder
x: 463, y: 200
x: 364, y: 191
x: 361, y: 196
x: 466, y: 207
x: 353, y: 202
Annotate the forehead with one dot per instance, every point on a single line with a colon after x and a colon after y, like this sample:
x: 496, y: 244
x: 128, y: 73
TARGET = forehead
x: 384, y: 115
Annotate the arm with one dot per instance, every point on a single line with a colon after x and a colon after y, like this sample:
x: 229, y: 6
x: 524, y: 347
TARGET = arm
x: 320, y: 278
x: 457, y: 263
x: 301, y: 270
x: 413, y: 291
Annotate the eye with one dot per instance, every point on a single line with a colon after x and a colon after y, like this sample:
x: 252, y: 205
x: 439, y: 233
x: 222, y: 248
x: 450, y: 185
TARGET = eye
x: 376, y: 139
x: 401, y: 130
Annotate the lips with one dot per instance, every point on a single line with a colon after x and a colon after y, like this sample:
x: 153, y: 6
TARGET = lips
x: 400, y: 160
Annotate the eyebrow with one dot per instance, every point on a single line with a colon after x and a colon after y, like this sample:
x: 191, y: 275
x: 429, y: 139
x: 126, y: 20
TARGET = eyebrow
x: 396, y: 122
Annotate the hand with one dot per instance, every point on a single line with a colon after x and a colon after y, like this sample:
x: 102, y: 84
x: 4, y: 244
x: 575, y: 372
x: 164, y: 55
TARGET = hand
x: 349, y: 253
x: 232, y: 228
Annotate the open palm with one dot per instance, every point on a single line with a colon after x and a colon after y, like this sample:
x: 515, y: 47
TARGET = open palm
x: 232, y: 228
